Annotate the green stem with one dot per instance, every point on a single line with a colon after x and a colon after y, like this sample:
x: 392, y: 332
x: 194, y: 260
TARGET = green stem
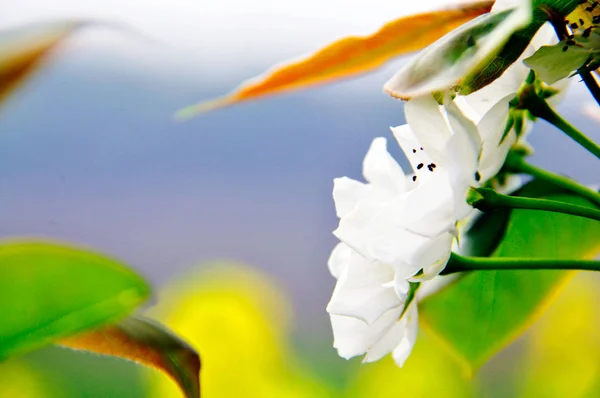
x: 540, y: 108
x: 516, y: 163
x: 486, y: 199
x: 592, y: 84
x: 458, y: 263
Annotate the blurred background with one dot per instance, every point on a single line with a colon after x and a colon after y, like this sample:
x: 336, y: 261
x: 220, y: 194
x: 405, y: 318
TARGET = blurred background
x: 230, y: 215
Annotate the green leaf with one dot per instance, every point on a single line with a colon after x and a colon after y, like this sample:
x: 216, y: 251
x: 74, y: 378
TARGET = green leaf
x: 553, y: 63
x: 466, y: 50
x: 50, y: 291
x: 485, y: 234
x: 482, y: 312
x: 514, y: 47
x: 149, y: 343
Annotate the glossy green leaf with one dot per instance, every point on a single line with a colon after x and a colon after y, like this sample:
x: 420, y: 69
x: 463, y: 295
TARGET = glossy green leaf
x: 482, y: 312
x: 146, y: 342
x: 50, y: 291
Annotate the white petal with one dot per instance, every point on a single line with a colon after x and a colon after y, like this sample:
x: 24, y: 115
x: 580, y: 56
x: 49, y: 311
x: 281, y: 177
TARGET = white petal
x: 412, y: 148
x: 435, y: 255
x: 380, y: 168
x: 428, y: 209
x: 376, y: 231
x: 364, y: 291
x: 352, y: 337
x: 403, y: 350
x: 339, y: 259
x: 492, y: 127
x: 399, y: 339
x: 347, y: 193
x: 401, y: 285
x: 427, y: 122
x: 400, y: 249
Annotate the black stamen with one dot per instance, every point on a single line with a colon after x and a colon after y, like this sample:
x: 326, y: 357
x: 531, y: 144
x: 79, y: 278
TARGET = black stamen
x: 581, y: 22
x: 565, y: 48
x: 574, y: 25
x: 587, y: 32
x: 421, y: 148
x: 414, y: 178
x: 570, y: 42
x: 433, y: 166
x: 419, y: 166
x: 414, y: 151
x: 477, y: 176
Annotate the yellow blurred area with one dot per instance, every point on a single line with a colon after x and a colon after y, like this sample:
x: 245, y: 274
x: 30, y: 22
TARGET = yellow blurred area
x: 239, y: 322
x: 563, y: 357
x: 429, y: 372
x: 20, y: 380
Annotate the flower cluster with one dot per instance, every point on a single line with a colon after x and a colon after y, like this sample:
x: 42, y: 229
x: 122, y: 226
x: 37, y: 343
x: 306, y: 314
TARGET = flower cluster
x: 397, y: 230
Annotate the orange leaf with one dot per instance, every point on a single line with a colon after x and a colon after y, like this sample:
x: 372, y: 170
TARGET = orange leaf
x: 148, y: 343
x: 351, y: 56
x: 23, y: 49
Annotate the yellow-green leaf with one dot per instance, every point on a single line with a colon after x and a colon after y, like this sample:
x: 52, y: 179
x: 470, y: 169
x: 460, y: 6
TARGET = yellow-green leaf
x: 149, y: 343
x: 23, y: 49
x: 351, y: 56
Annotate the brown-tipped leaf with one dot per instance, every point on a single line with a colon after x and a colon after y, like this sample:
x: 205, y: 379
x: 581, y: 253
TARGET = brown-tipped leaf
x: 146, y: 342
x: 350, y: 56
x: 23, y: 49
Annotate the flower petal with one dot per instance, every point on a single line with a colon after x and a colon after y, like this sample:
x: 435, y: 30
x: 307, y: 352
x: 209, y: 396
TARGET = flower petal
x: 427, y: 122
x: 427, y: 209
x: 352, y: 337
x: 399, y: 339
x: 339, y: 259
x: 364, y: 291
x: 380, y: 168
x: 435, y: 255
x: 347, y: 193
x: 403, y: 350
x: 495, y: 149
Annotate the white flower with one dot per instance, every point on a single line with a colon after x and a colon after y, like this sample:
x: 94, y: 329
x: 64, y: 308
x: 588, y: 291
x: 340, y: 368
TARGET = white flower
x: 462, y: 53
x: 404, y: 221
x: 399, y: 228
x: 366, y: 309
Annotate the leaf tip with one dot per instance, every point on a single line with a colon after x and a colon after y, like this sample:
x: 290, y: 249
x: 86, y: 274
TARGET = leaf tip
x: 192, y: 111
